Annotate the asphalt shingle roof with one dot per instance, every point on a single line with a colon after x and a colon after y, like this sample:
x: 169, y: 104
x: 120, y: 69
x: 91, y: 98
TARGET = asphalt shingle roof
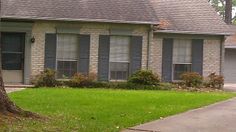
x: 231, y: 40
x: 89, y: 10
x: 196, y: 16
x: 187, y: 16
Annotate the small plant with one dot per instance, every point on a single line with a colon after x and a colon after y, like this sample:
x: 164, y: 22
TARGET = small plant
x: 215, y: 81
x: 81, y: 80
x: 47, y: 78
x: 144, y: 77
x: 192, y: 79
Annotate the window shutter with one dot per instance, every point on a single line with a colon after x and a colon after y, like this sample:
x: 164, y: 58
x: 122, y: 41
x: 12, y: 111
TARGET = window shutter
x: 50, y: 51
x: 136, y: 54
x: 197, y: 55
x: 84, y: 52
x: 103, y: 59
x: 167, y: 57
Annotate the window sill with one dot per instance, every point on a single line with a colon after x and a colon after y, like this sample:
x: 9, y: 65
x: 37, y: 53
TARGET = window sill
x: 118, y: 81
x: 63, y: 79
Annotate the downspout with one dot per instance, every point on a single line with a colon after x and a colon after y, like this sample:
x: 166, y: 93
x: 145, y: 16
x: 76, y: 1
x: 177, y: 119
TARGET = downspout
x: 222, y: 55
x: 150, y: 39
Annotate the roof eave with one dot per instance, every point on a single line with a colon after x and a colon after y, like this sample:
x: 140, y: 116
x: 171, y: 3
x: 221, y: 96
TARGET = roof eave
x: 79, y: 20
x: 191, y: 32
x: 230, y: 46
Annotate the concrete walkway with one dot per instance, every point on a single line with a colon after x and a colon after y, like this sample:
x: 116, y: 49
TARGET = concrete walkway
x: 230, y: 87
x: 10, y: 90
x: 220, y: 117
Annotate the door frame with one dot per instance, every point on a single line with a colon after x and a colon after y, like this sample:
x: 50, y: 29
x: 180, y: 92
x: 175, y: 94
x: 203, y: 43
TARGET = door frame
x: 22, y: 27
x: 23, y: 37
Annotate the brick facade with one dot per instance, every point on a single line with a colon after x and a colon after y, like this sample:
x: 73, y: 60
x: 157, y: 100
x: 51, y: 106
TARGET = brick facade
x: 212, y: 46
x: 156, y: 55
x: 211, y: 57
x: 212, y: 54
x: 94, y: 29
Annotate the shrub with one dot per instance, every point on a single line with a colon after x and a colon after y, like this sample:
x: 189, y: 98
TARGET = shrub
x: 144, y: 77
x: 81, y: 80
x: 192, y: 79
x: 131, y: 86
x: 215, y: 81
x: 47, y: 78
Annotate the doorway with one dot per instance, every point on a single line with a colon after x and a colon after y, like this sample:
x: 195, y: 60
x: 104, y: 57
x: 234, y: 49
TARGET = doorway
x: 13, y: 45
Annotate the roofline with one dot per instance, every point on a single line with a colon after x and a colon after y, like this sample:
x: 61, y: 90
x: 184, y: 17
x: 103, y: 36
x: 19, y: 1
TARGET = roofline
x: 230, y: 46
x: 81, y: 20
x: 191, y: 32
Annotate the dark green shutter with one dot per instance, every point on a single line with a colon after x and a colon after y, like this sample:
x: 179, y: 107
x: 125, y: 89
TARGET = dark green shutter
x: 136, y: 53
x: 167, y: 60
x: 197, y: 55
x: 84, y: 51
x: 50, y: 51
x: 103, y: 59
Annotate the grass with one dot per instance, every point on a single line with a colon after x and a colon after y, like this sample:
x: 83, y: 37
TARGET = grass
x: 100, y: 110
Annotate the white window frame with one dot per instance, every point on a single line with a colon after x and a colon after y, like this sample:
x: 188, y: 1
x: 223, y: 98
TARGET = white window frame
x: 62, y: 59
x: 128, y: 62
x: 173, y: 63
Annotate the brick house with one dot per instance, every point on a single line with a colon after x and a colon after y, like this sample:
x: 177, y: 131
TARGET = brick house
x: 110, y: 38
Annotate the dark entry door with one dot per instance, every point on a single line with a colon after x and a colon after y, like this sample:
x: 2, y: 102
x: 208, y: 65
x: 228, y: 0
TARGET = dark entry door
x: 12, y: 45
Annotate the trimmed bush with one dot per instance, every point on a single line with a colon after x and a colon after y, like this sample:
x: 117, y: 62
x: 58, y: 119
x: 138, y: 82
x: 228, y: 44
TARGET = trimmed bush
x: 215, y: 81
x: 81, y: 80
x: 130, y: 86
x: 192, y: 79
x: 144, y: 77
x: 47, y: 78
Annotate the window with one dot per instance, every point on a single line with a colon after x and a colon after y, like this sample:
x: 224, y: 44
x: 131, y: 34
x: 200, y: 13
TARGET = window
x: 12, y: 51
x: 182, y: 57
x: 119, y: 57
x: 67, y: 55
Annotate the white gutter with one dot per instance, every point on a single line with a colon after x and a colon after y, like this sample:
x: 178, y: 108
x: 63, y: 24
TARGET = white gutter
x: 191, y: 32
x: 230, y: 46
x: 81, y: 19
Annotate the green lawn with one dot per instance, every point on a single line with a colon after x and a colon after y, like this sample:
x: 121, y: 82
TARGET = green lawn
x: 100, y: 110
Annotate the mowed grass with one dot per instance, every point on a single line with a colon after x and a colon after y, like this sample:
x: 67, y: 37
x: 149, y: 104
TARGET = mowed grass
x: 100, y: 110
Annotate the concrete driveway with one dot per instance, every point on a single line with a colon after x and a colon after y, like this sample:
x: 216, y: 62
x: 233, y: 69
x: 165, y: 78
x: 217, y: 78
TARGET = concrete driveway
x: 220, y: 117
x: 230, y: 87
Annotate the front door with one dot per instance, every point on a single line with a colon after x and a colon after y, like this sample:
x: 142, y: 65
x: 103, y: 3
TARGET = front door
x: 12, y: 45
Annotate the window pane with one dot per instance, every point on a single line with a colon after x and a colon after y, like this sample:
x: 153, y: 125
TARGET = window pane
x: 119, y: 49
x: 12, y: 61
x: 12, y: 42
x: 182, y: 51
x: 66, y: 69
x: 67, y: 55
x: 119, y: 57
x: 67, y: 47
x: 119, y: 71
x: 180, y: 69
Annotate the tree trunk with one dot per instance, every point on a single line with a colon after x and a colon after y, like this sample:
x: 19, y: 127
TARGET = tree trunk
x: 7, y: 106
x: 228, y: 11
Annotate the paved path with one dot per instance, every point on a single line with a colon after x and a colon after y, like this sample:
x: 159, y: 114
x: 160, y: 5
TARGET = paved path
x: 10, y: 90
x: 220, y: 117
x: 230, y: 87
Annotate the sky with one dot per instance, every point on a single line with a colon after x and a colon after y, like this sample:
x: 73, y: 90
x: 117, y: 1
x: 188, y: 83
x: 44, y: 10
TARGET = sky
x: 234, y: 11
